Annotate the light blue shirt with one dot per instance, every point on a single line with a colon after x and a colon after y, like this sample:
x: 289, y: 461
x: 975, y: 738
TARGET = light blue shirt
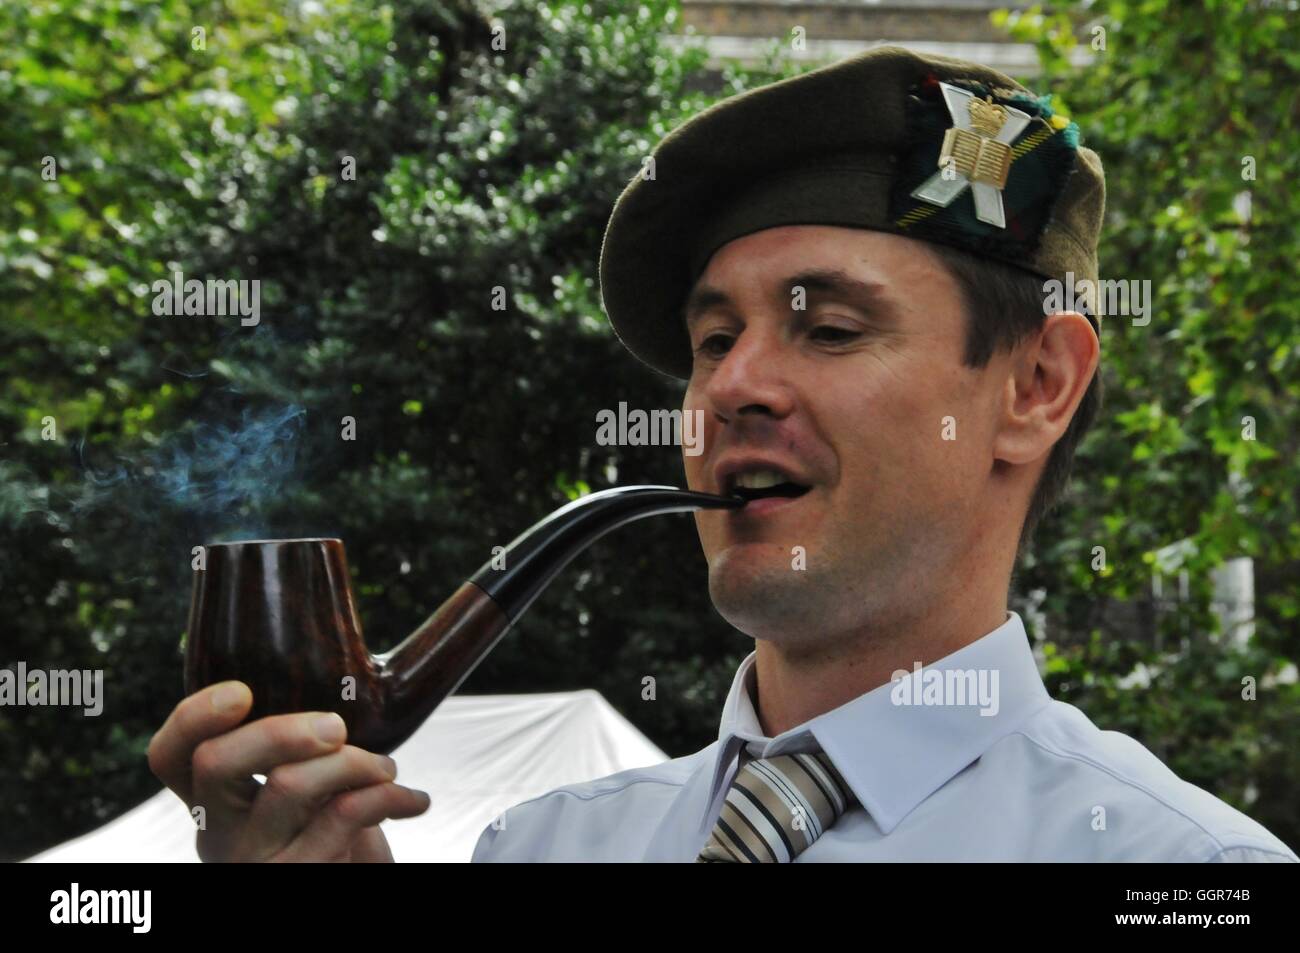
x: 942, y: 771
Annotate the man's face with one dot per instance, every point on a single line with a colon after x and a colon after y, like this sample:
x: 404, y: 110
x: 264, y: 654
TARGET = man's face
x: 851, y: 397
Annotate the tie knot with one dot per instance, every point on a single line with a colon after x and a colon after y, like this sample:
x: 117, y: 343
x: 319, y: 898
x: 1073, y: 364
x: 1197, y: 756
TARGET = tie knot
x: 777, y: 807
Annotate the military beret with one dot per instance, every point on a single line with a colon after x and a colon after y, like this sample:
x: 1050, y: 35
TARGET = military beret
x: 925, y: 146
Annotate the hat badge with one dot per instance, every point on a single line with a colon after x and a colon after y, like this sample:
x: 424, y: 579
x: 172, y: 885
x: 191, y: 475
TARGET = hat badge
x: 976, y: 154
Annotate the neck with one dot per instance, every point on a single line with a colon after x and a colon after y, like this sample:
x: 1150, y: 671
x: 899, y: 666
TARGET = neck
x: 795, y: 684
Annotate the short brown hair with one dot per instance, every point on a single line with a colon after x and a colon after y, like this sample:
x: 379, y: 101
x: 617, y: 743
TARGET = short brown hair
x: 1004, y: 305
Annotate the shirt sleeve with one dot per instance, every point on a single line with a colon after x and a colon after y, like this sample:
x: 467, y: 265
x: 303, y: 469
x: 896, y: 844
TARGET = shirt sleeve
x: 521, y: 834
x: 1251, y: 855
x: 483, y: 848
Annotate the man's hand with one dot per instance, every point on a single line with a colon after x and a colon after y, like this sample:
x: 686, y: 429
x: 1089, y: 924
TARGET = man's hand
x: 322, y: 800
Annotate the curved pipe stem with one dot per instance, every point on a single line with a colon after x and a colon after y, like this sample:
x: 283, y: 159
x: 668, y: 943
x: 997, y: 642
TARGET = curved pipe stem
x: 539, y: 554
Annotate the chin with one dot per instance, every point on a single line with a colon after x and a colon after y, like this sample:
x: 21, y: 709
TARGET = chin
x: 754, y: 588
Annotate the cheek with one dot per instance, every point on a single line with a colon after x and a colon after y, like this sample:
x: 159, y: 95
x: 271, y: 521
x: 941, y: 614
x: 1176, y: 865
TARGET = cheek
x: 956, y: 437
x: 914, y: 429
x: 698, y: 463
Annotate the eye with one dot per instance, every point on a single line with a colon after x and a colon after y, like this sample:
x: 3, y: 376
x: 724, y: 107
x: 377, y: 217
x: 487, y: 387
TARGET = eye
x: 714, y: 345
x: 833, y: 334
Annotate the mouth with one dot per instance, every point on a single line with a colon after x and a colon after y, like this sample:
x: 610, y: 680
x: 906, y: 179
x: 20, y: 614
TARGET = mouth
x: 755, y: 485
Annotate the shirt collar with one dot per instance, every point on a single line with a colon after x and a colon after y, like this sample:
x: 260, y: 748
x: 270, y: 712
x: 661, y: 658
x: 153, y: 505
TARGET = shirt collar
x: 897, y: 744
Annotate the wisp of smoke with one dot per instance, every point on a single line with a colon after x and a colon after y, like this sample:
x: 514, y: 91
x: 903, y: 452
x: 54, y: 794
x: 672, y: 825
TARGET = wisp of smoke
x: 212, y: 473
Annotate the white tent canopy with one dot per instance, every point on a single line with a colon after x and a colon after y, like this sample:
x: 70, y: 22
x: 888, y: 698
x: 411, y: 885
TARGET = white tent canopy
x: 476, y: 756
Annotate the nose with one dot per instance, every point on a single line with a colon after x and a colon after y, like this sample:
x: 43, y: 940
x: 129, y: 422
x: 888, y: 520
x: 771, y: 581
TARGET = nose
x: 751, y: 380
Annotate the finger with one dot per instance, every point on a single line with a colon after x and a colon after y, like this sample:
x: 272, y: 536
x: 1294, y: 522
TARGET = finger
x: 223, y: 766
x: 293, y: 793
x: 371, y: 847
x: 337, y: 824
x: 205, y: 714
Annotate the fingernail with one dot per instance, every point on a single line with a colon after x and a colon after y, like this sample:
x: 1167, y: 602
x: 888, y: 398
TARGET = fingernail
x: 390, y: 765
x: 330, y: 728
x: 228, y: 697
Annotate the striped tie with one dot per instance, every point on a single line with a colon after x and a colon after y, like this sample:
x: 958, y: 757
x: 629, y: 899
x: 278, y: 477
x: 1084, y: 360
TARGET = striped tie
x: 776, y: 808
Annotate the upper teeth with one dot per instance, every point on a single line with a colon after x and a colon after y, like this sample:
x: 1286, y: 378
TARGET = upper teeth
x: 759, y: 479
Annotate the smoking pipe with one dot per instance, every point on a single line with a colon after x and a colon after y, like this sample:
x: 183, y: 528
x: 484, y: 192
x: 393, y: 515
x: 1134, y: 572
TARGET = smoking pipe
x: 279, y: 616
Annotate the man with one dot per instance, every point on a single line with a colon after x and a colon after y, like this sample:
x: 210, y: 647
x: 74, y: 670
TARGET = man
x: 848, y: 268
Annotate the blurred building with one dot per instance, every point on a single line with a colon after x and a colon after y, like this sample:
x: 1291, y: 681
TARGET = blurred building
x: 746, y: 30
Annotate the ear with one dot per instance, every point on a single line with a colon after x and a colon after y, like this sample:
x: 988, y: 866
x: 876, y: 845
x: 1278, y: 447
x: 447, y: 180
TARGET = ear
x: 1050, y: 372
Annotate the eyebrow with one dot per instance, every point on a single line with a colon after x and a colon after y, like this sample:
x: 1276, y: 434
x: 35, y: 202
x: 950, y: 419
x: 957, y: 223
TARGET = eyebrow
x: 868, y: 295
